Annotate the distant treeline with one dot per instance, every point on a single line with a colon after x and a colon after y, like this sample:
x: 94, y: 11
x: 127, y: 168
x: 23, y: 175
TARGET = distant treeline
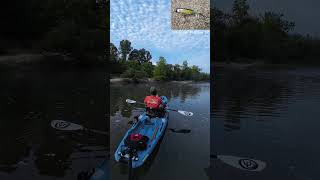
x: 133, y: 63
x: 72, y: 27
x: 240, y: 36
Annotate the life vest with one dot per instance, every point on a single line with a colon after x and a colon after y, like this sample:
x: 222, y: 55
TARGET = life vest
x: 153, y: 102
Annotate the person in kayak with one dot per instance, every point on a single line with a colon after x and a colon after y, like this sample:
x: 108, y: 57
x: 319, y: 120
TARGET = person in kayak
x: 154, y: 104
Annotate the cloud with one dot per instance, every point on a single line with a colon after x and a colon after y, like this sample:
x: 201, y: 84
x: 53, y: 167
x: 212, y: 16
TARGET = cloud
x: 147, y: 24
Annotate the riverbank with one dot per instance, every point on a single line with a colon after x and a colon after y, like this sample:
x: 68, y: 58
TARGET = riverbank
x: 147, y: 80
x: 239, y: 65
x: 29, y: 61
x: 249, y: 64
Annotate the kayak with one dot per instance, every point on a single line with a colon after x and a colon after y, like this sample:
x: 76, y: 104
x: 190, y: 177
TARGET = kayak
x: 101, y: 173
x: 152, y: 128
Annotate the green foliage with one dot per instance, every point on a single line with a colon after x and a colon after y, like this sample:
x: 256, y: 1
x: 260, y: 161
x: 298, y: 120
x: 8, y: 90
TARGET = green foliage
x: 148, y: 68
x: 139, y: 66
x: 240, y: 10
x: 114, y: 53
x: 239, y: 36
x: 125, y: 49
x: 142, y: 56
x: 134, y: 55
x: 160, y: 71
x: 134, y: 70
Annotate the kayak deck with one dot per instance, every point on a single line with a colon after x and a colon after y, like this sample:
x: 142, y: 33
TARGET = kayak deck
x: 153, y: 128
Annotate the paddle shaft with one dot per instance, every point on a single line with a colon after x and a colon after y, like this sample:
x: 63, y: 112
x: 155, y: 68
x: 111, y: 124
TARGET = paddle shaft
x: 136, y: 102
x: 96, y: 131
x: 130, y: 166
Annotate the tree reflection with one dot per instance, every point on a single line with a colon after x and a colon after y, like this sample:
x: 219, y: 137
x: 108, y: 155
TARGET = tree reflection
x: 241, y: 93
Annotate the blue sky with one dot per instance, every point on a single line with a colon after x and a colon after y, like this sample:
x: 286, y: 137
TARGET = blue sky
x: 147, y: 24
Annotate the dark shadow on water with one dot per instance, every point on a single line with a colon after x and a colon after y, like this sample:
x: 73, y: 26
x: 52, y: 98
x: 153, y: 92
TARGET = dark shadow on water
x: 30, y: 100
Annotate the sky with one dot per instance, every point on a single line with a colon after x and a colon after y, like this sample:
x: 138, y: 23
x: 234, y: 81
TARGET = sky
x: 147, y: 24
x: 305, y: 13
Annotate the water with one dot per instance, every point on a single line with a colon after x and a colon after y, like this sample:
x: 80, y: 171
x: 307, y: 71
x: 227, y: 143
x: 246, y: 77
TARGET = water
x: 271, y: 114
x: 30, y: 148
x: 178, y: 156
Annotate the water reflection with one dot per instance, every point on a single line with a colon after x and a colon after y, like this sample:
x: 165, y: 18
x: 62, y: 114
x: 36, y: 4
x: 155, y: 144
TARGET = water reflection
x: 270, y: 114
x: 139, y: 91
x: 239, y: 94
x: 29, y: 101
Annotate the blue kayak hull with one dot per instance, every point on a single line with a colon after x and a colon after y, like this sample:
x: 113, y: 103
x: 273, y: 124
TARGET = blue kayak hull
x: 154, y: 128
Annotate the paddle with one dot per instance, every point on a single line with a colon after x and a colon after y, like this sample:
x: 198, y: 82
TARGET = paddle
x: 183, y: 131
x: 185, y: 113
x: 69, y: 126
x: 242, y: 163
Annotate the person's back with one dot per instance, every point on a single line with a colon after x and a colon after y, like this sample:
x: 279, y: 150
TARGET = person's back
x: 153, y: 103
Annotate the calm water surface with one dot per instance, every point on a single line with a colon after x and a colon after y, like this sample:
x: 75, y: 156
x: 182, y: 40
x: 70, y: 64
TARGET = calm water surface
x: 178, y: 156
x: 271, y: 114
x: 30, y: 148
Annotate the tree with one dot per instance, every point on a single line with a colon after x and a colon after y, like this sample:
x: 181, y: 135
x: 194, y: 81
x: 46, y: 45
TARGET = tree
x: 148, y: 68
x: 276, y: 21
x: 148, y: 56
x: 160, y: 71
x: 177, y: 72
x: 114, y: 53
x: 195, y: 72
x: 184, y: 65
x: 141, y: 56
x: 134, y: 55
x: 240, y: 10
x: 125, y: 49
x: 170, y: 71
x: 145, y: 56
x: 186, y: 73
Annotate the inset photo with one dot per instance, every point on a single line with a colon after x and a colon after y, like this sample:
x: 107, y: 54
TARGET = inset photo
x: 190, y: 14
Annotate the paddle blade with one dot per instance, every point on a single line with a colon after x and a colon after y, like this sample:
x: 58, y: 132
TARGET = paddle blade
x: 183, y: 131
x: 186, y: 113
x: 65, y: 125
x: 131, y: 101
x: 243, y: 163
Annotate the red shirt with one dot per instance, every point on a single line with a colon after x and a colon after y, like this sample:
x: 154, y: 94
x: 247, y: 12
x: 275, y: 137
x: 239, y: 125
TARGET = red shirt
x: 153, y: 102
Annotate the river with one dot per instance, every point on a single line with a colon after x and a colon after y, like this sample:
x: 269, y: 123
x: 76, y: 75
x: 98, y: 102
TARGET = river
x: 270, y: 114
x: 30, y: 100
x: 178, y: 156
